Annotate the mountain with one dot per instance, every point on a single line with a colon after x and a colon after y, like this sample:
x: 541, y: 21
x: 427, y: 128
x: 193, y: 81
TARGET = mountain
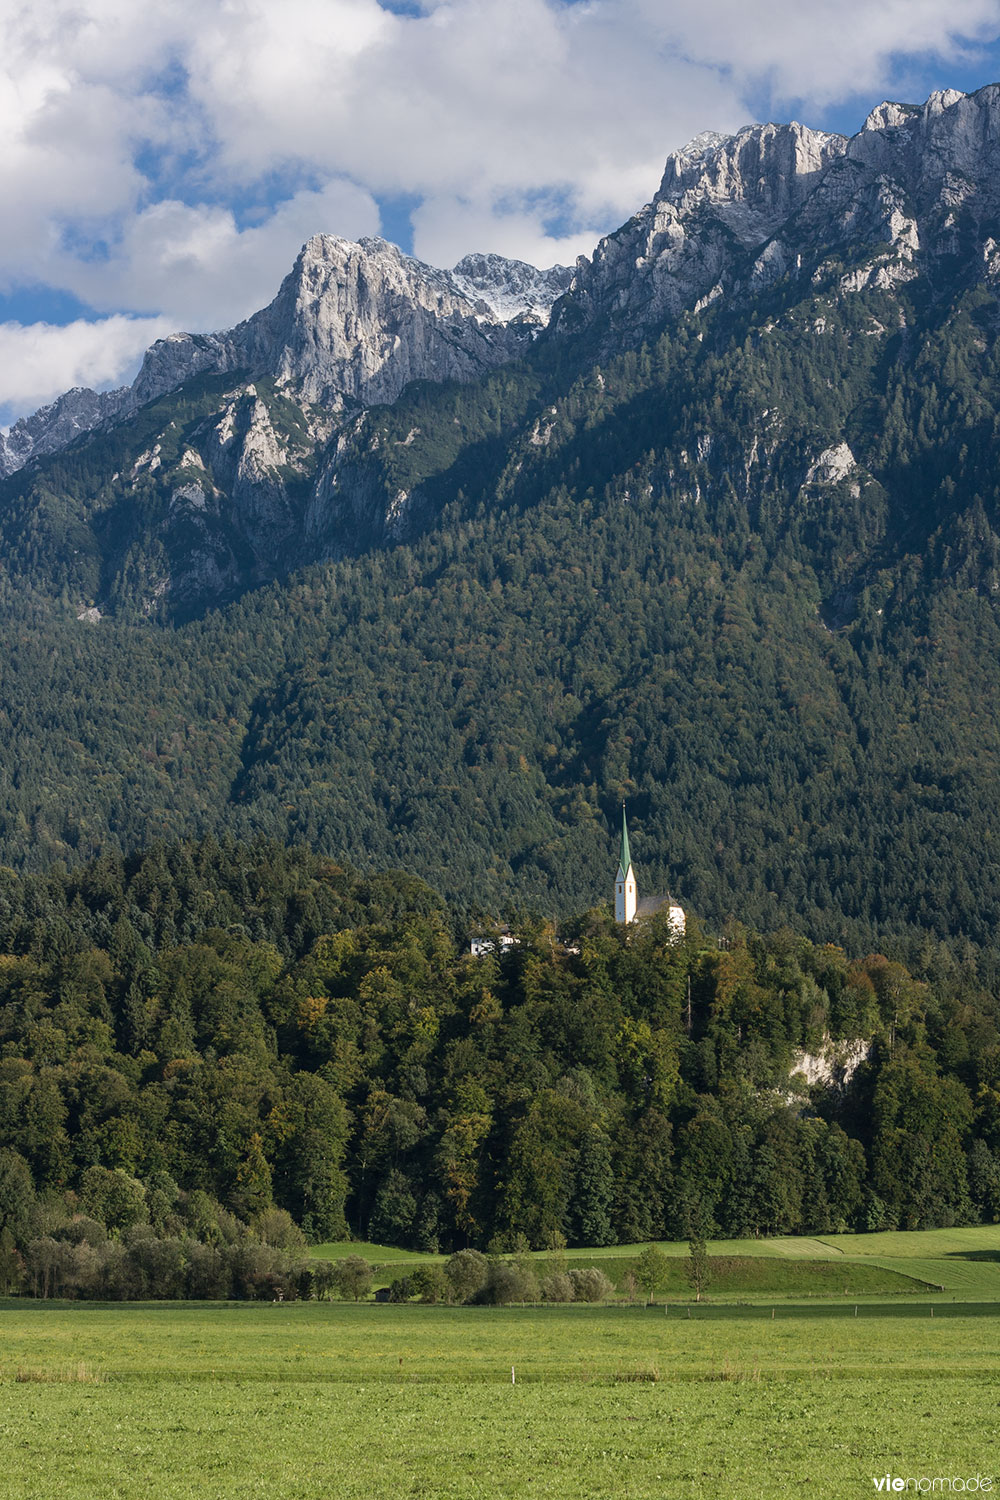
x: 350, y: 324
x: 55, y: 426
x: 407, y: 569
x: 734, y: 215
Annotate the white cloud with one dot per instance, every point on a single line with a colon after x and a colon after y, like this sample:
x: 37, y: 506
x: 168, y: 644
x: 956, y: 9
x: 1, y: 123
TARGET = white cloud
x: 38, y: 361
x: 526, y: 126
x: 821, y: 50
x: 195, y: 265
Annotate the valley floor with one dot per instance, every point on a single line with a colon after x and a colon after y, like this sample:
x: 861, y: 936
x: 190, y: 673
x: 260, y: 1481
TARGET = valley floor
x: 308, y: 1400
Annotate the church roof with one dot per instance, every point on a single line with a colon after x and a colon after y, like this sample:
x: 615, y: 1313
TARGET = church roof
x: 625, y: 858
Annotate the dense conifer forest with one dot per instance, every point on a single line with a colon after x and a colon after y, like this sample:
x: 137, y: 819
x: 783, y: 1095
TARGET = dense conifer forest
x: 211, y: 1049
x: 626, y: 578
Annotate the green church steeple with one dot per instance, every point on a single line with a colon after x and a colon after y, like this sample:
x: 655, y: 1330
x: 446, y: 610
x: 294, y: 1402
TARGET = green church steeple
x: 625, y: 858
x: 626, y: 894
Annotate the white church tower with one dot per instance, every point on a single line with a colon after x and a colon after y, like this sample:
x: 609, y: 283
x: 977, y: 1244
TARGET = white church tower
x: 626, y: 895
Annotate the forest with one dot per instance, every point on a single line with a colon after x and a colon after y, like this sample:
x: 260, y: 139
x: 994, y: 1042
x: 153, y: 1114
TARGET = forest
x: 626, y: 578
x: 212, y: 1052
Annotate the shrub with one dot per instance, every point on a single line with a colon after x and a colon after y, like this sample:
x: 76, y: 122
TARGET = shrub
x: 467, y: 1271
x: 431, y: 1284
x: 207, y: 1271
x: 557, y: 1288
x: 353, y: 1278
x: 590, y: 1285
x: 323, y: 1278
x: 509, y: 1282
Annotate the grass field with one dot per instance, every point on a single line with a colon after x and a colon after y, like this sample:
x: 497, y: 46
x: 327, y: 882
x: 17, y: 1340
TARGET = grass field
x: 964, y: 1262
x: 302, y: 1401
x: 785, y: 1389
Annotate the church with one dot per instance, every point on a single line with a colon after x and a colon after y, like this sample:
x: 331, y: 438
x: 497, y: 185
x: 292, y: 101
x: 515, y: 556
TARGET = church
x: 627, y: 903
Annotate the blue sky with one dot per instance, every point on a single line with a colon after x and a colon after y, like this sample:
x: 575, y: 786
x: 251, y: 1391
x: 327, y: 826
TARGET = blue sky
x: 163, y: 163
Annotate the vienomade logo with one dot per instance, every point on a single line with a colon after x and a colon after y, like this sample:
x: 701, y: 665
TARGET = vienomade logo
x: 924, y: 1484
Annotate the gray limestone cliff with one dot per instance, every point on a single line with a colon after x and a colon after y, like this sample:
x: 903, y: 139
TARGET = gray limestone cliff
x: 734, y: 214
x: 351, y: 325
x: 53, y: 427
x: 283, y: 467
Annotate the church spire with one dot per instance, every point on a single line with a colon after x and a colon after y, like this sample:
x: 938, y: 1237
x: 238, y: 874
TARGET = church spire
x: 625, y: 858
x: 626, y: 894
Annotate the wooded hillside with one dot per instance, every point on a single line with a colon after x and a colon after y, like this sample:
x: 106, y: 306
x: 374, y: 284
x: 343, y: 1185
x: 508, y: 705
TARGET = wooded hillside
x: 197, y: 1035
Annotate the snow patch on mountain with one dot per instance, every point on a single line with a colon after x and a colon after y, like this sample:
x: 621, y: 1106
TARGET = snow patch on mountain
x: 511, y: 288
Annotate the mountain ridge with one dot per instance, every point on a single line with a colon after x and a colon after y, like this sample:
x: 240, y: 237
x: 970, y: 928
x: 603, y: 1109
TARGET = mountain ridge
x: 750, y: 183
x: 314, y: 333
x: 739, y: 563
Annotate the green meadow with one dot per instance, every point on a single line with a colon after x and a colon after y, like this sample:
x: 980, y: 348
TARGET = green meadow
x: 738, y: 1396
x: 961, y: 1262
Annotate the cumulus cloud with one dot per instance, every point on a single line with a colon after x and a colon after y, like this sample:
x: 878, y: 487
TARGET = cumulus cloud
x: 193, y: 262
x: 168, y: 160
x: 823, y: 49
x: 38, y: 361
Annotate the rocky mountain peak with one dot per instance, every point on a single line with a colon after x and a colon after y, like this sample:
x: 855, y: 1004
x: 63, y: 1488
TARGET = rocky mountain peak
x: 734, y: 214
x: 355, y: 323
x: 351, y: 325
x: 53, y: 426
x: 753, y: 178
x: 511, y: 288
x: 889, y: 116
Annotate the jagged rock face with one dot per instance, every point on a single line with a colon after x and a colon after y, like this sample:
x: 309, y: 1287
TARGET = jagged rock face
x: 511, y: 288
x: 351, y: 324
x: 283, y: 469
x: 719, y: 199
x: 734, y: 214
x: 356, y: 323
x: 171, y: 361
x: 52, y: 427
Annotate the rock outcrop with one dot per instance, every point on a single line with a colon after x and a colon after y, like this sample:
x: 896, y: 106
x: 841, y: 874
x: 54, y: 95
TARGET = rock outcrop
x: 734, y: 214
x: 351, y: 325
x: 282, y: 467
x: 53, y: 427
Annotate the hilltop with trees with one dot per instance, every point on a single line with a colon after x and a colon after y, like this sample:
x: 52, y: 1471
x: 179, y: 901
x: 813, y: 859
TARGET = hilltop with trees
x: 210, y: 1041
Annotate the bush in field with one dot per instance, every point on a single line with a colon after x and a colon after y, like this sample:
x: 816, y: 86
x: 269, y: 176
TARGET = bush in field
x: 557, y: 1287
x: 590, y: 1285
x: 509, y: 1281
x: 353, y: 1278
x: 431, y: 1284
x: 467, y: 1271
x: 261, y: 1273
x: 208, y: 1275
x: 402, y: 1289
x: 323, y: 1279
x: 157, y: 1266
